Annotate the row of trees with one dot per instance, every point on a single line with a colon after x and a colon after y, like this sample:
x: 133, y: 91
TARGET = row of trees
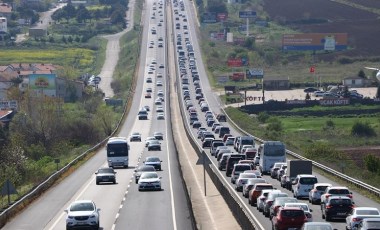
x: 115, y: 12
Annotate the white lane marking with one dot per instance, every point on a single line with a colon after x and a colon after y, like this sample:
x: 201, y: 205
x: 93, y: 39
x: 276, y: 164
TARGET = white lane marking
x: 76, y: 198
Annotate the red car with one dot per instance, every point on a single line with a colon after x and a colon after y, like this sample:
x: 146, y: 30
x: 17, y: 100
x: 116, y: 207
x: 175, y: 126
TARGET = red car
x: 289, y: 217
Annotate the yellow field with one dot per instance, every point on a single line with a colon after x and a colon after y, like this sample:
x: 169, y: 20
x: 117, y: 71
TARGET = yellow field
x: 77, y: 57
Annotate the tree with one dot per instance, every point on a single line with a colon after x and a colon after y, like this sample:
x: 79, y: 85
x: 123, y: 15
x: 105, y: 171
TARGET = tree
x: 82, y: 14
x: 361, y: 74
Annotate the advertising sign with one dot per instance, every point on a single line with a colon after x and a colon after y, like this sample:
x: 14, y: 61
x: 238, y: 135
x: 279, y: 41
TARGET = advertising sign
x: 255, y: 73
x: 237, y: 62
x: 42, y: 81
x: 222, y: 16
x: 8, y: 105
x: 334, y: 102
x: 295, y: 102
x: 217, y: 36
x: 315, y: 41
x: 247, y: 14
x: 209, y: 17
x: 222, y: 79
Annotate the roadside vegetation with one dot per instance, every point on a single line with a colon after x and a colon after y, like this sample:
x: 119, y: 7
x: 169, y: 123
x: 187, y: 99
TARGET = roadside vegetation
x: 47, y: 129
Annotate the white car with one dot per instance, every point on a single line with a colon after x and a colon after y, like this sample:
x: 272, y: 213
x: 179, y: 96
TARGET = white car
x: 160, y: 116
x: 242, y: 180
x: 148, y: 139
x: 318, y: 93
x: 261, y: 199
x: 358, y: 214
x: 135, y: 136
x: 304, y: 207
x: 149, y: 181
x: 82, y: 213
x: 317, y: 191
x: 158, y: 135
x: 159, y: 83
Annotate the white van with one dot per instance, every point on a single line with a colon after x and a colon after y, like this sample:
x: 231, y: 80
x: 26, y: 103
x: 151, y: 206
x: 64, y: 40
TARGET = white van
x: 302, y: 185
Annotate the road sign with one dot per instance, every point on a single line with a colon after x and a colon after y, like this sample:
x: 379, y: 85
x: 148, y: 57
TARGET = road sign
x: 255, y: 73
x: 247, y: 14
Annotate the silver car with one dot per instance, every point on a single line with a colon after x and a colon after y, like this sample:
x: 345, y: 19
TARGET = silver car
x: 317, y: 191
x: 149, y: 181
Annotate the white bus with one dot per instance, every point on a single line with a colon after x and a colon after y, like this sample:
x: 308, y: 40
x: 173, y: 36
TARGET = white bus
x: 117, y: 152
x: 271, y: 152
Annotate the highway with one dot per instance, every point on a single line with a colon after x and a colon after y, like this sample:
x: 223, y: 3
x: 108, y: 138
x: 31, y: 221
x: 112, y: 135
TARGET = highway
x: 121, y: 204
x: 215, y: 105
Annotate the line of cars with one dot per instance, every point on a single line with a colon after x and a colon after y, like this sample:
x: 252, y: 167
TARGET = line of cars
x: 285, y: 212
x: 145, y: 175
x: 336, y: 202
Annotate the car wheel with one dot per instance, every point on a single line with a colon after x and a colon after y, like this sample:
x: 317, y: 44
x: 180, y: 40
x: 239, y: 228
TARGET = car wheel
x: 137, y: 181
x: 114, y: 181
x: 328, y: 218
x: 68, y: 228
x: 323, y: 215
x: 97, y: 182
x: 97, y: 226
x: 159, y: 169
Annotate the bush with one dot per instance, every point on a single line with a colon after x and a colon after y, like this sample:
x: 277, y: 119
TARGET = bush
x: 362, y: 129
x: 263, y: 117
x: 329, y: 125
x: 372, y: 163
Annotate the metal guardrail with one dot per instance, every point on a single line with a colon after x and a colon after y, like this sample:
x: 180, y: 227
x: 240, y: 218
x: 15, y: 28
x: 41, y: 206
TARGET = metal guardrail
x: 373, y: 190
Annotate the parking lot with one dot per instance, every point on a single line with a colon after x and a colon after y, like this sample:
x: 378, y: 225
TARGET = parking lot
x: 295, y: 94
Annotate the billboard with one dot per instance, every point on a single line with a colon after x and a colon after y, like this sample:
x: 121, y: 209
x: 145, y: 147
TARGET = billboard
x: 315, y: 41
x: 237, y: 62
x: 209, y: 17
x: 247, y: 14
x: 43, y: 84
x: 42, y: 81
x: 254, y: 73
x: 222, y: 16
x: 8, y: 105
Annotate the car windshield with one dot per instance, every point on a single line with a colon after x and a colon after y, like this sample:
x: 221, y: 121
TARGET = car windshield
x: 152, y: 159
x: 367, y: 212
x: 241, y: 168
x: 321, y: 188
x: 106, y: 170
x: 149, y: 175
x: 146, y: 169
x: 77, y: 207
x: 302, y: 206
x: 292, y: 213
x: 308, y: 180
x: 340, y: 202
x: 339, y: 191
x: 154, y: 142
x: 247, y: 175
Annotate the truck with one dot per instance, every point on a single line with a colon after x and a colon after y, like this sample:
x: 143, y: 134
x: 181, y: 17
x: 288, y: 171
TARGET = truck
x: 296, y: 167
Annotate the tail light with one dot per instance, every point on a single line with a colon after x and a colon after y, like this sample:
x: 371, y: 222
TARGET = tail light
x: 313, y: 190
x: 262, y: 198
x: 328, y: 206
x: 308, y: 215
x: 356, y: 219
x: 269, y: 203
x: 350, y: 196
x: 327, y: 195
x: 352, y: 206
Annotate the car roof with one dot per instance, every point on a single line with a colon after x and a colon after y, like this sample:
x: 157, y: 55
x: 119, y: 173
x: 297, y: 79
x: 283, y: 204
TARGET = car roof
x: 366, y: 208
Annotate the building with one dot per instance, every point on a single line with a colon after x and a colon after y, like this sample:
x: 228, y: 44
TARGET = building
x: 356, y: 82
x: 276, y: 83
x: 5, y: 10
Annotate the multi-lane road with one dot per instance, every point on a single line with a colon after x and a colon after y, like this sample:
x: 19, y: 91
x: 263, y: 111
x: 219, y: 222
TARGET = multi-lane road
x: 122, y: 205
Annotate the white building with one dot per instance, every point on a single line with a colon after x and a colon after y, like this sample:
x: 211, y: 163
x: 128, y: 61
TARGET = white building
x: 3, y: 25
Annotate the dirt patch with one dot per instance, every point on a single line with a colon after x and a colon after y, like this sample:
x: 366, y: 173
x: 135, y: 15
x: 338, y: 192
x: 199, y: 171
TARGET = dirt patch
x: 357, y: 154
x: 363, y: 29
